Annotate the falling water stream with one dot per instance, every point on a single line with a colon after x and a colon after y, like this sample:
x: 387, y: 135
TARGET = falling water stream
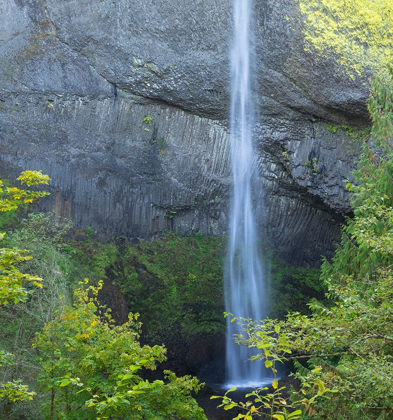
x: 244, y: 280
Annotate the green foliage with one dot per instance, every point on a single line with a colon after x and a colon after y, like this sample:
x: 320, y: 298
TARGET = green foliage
x: 15, y: 390
x: 366, y: 244
x: 12, y: 280
x: 162, y: 145
x: 9, y: 218
x: 178, y: 280
x: 43, y: 235
x: 92, y: 368
x: 90, y: 255
x: 347, y: 341
x: 47, y: 239
x: 58, y: 261
x: 337, y: 128
x: 89, y: 231
x: 13, y: 197
x: 147, y: 120
x: 262, y: 401
x: 42, y: 228
x: 174, y: 281
x: 355, y: 134
x: 293, y: 287
x: 312, y: 165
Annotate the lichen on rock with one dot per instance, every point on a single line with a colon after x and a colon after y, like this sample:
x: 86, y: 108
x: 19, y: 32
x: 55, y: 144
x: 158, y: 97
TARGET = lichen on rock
x: 358, y: 33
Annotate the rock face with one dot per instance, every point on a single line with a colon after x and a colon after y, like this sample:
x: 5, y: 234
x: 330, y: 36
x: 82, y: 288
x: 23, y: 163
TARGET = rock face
x: 125, y: 104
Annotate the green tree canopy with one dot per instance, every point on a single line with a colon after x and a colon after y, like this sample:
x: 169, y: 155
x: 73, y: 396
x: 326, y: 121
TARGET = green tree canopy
x: 12, y: 281
x: 93, y: 368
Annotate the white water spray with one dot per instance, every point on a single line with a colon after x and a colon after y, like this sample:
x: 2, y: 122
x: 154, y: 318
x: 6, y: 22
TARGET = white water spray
x: 244, y: 277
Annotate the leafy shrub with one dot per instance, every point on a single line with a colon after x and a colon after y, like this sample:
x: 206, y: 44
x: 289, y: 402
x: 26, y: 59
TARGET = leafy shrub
x: 91, y: 368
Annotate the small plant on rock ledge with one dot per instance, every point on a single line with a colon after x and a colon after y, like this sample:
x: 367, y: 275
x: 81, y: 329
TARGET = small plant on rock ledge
x: 147, y: 120
x: 162, y: 145
x: 312, y: 166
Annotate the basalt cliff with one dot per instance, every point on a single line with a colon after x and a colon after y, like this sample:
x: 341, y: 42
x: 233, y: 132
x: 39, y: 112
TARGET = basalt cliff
x: 124, y: 104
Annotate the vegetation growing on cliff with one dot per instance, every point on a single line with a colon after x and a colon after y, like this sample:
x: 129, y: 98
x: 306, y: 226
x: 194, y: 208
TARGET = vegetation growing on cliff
x: 174, y: 281
x: 358, y: 33
x: 178, y: 281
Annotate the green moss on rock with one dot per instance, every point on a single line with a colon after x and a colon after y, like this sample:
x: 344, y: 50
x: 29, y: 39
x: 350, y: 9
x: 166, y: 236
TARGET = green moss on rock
x: 358, y: 33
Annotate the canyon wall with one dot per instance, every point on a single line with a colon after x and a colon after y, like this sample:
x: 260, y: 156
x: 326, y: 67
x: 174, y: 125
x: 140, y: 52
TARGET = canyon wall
x: 124, y: 104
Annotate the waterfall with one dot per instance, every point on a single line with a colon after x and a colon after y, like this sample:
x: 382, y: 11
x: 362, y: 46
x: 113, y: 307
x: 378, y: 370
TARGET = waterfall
x: 244, y: 282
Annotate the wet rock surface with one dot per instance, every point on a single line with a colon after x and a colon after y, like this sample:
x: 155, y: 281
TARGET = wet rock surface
x: 125, y: 105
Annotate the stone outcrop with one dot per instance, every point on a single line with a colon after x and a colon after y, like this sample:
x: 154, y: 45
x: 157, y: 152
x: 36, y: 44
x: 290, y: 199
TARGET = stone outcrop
x: 125, y: 104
